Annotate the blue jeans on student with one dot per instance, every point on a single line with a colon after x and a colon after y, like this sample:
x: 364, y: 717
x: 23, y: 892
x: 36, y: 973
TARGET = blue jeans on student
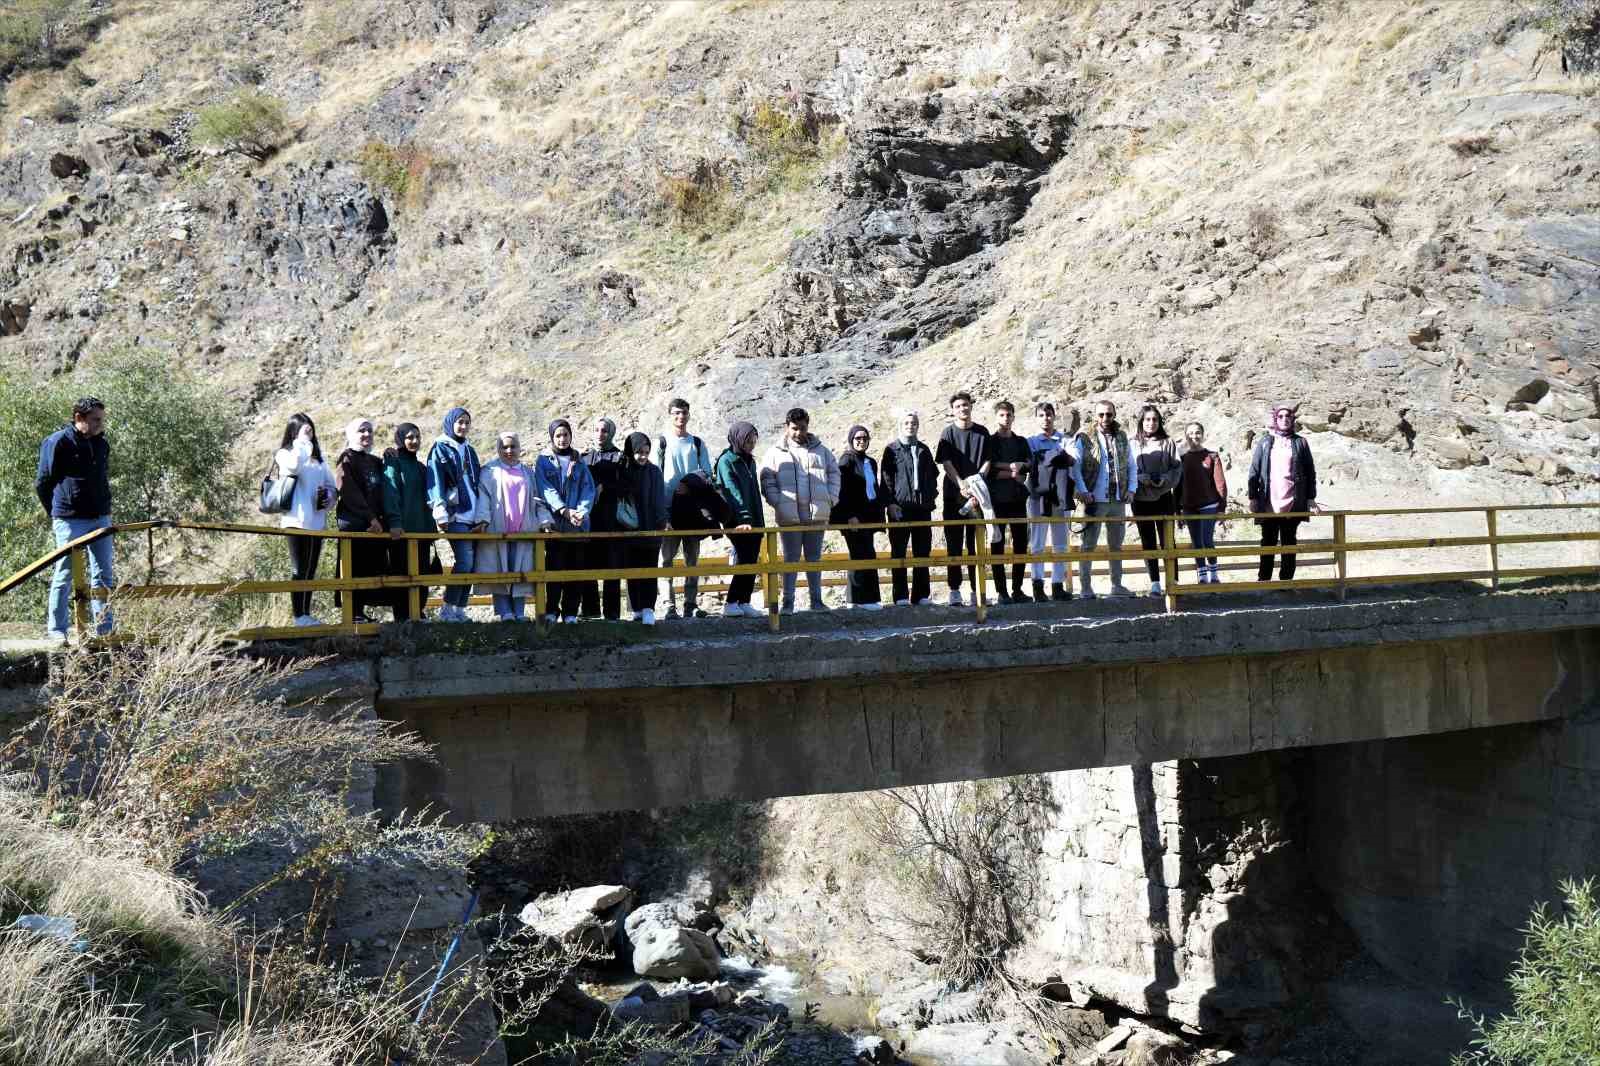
x: 509, y: 606
x: 466, y: 553
x: 1203, y: 532
x: 67, y: 530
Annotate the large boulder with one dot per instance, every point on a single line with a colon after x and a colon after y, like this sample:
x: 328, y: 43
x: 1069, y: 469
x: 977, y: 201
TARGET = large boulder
x: 584, y: 916
x: 667, y: 950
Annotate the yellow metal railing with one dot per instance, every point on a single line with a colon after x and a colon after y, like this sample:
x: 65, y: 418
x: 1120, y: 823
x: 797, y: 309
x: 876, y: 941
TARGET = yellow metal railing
x: 1335, y: 551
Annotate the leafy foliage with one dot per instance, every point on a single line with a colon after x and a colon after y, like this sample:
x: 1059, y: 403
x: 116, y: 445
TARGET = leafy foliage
x: 250, y: 123
x: 170, y: 437
x: 31, y: 30
x: 1555, y: 991
x: 406, y: 172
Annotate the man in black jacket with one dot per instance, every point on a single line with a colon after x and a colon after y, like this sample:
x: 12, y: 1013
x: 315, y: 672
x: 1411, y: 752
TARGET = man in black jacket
x: 74, y: 487
x: 910, y: 485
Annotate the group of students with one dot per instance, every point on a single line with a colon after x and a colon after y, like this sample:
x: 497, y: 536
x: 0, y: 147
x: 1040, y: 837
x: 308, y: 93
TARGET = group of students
x: 614, y: 487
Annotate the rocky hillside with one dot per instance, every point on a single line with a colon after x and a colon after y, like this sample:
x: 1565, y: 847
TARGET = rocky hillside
x: 1384, y: 211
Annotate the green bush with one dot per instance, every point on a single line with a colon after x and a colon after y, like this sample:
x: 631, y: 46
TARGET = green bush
x: 1555, y: 992
x: 406, y: 172
x: 171, y: 438
x: 249, y: 122
x: 31, y: 31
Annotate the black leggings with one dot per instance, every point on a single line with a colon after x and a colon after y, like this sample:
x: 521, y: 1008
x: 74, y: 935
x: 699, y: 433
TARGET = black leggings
x: 863, y: 583
x: 604, y: 598
x: 303, y: 555
x: 1276, y: 531
x: 565, y: 598
x: 1154, y: 533
x: 746, y: 552
x: 641, y: 553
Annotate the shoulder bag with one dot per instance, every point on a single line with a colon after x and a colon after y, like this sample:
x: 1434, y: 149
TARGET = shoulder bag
x: 277, y: 493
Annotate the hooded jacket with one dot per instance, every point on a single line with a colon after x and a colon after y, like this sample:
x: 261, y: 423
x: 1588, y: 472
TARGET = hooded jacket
x: 737, y: 478
x: 800, y: 482
x: 910, y: 479
x: 604, y: 465
x: 455, y: 467
x: 696, y: 504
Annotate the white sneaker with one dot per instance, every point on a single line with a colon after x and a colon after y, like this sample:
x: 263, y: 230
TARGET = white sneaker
x: 300, y: 620
x: 1119, y: 590
x: 871, y: 606
x: 551, y: 619
x: 924, y: 601
x: 902, y: 603
x: 1155, y: 590
x: 646, y: 617
x: 733, y: 610
x: 570, y: 620
x: 955, y: 599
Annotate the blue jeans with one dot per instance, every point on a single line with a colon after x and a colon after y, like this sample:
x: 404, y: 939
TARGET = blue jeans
x: 509, y: 606
x: 466, y: 552
x: 70, y: 529
x: 1203, y: 532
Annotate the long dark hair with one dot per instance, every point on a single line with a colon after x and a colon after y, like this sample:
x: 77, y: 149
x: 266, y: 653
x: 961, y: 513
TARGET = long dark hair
x: 1161, y: 424
x: 291, y: 433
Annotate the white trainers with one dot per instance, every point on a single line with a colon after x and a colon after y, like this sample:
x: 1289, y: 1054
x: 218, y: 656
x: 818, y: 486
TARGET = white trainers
x: 551, y: 619
x: 646, y: 617
x: 1155, y: 590
x: 902, y: 603
x: 300, y: 620
x: 923, y: 602
x: 870, y: 606
x: 955, y: 599
x: 1119, y: 590
x: 570, y: 619
x: 734, y: 610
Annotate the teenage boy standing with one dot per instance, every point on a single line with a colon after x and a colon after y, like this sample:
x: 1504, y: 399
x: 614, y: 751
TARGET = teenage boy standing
x: 964, y: 454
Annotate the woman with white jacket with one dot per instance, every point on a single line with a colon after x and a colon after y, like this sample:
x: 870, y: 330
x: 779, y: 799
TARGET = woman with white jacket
x: 508, y: 502
x: 800, y: 482
x: 300, y: 457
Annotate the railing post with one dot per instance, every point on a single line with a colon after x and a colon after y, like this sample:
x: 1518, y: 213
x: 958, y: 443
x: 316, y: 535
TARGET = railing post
x: 80, y: 592
x: 1340, y: 561
x: 347, y: 602
x: 413, y: 571
x: 1492, y: 522
x: 769, y: 577
x: 1170, y: 563
x: 980, y: 592
x: 541, y: 593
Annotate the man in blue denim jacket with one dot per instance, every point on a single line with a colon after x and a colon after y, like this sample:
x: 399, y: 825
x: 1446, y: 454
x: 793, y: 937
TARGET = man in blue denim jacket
x: 74, y: 486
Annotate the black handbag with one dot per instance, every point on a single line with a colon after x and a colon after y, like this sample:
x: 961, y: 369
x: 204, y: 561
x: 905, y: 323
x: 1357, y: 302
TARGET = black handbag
x: 277, y: 493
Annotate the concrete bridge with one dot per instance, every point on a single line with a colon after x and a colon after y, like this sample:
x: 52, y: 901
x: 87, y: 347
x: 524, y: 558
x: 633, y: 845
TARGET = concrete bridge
x: 712, y: 710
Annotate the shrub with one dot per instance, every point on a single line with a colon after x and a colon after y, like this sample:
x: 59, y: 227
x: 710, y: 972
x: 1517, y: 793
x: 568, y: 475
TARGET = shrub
x: 1555, y: 992
x: 1479, y: 145
x: 249, y: 122
x: 31, y: 32
x: 170, y: 436
x: 406, y: 172
x: 698, y: 200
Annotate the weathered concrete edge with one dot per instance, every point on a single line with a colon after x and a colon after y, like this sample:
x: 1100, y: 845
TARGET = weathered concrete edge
x: 976, y: 649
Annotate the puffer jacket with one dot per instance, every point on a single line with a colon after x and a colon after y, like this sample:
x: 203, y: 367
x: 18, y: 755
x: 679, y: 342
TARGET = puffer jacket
x: 800, y: 482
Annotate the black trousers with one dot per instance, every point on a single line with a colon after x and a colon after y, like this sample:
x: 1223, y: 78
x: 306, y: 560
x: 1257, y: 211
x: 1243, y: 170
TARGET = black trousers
x: 954, y: 538
x: 1154, y: 533
x: 920, y: 539
x: 1019, y: 541
x: 863, y: 583
x: 746, y: 552
x: 303, y: 555
x: 606, y: 553
x: 1276, y: 531
x: 643, y: 553
x: 566, y: 597
x: 368, y: 558
x: 427, y: 563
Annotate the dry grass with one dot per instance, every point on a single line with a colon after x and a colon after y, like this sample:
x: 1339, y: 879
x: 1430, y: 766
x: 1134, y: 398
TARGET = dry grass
x: 409, y: 173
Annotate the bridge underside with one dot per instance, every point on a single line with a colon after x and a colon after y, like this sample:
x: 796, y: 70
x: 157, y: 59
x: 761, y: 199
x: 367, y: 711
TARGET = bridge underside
x: 511, y: 756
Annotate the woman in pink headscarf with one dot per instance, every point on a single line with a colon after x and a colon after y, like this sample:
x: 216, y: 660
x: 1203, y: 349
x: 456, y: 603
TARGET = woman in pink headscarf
x: 1283, y: 481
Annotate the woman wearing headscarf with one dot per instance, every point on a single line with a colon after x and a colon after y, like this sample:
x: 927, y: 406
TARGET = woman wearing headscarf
x: 359, y: 477
x: 861, y: 504
x: 740, y: 484
x: 453, y: 497
x: 568, y: 489
x: 405, y: 510
x: 641, y: 505
x: 1283, y: 480
x: 509, y: 502
x: 603, y: 553
x: 1158, y: 469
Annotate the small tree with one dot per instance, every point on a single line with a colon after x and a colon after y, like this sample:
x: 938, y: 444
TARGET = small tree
x: 171, y: 439
x: 250, y: 123
x: 1555, y: 992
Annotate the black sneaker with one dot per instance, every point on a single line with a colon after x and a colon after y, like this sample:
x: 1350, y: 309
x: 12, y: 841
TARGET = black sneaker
x: 672, y: 612
x: 1004, y: 597
x: 695, y: 612
x: 1060, y: 593
x: 1021, y: 597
